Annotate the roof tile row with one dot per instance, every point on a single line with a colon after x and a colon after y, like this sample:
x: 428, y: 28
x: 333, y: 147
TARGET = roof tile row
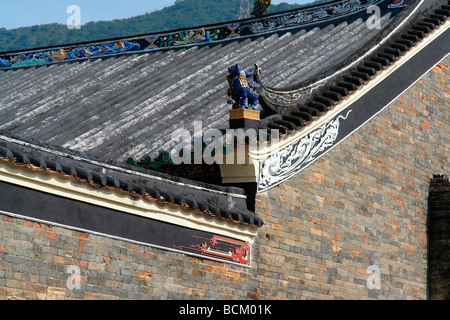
x: 98, y: 180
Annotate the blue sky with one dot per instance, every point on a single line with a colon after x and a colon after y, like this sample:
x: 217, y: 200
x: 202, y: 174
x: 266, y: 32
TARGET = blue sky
x: 14, y: 14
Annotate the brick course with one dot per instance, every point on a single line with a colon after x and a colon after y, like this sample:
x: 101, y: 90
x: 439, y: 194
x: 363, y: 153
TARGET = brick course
x: 362, y: 204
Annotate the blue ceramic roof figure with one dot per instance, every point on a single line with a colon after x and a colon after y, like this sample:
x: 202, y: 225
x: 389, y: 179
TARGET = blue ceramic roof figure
x: 241, y: 90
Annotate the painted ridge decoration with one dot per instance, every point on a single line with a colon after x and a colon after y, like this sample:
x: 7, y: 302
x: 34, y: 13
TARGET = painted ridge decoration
x: 399, y: 4
x: 220, y: 248
x: 290, y: 160
x: 24, y: 59
x: 303, y: 18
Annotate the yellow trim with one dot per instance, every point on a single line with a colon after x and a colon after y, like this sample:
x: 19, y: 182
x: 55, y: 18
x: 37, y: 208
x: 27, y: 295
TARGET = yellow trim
x: 70, y: 188
x: 244, y: 114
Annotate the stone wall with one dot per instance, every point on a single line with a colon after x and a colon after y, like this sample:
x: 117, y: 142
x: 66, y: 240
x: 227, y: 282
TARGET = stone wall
x: 350, y: 226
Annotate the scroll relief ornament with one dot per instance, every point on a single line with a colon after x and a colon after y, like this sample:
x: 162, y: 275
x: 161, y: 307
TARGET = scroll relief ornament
x: 292, y: 159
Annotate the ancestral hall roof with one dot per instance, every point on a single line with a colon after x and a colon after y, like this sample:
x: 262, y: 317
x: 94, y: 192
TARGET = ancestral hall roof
x: 122, y: 98
x: 127, y: 105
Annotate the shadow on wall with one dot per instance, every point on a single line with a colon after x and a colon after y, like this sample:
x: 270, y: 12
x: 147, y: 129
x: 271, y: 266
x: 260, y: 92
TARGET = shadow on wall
x: 439, y: 239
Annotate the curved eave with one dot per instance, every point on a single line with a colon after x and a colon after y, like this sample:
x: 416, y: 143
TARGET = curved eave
x: 308, y: 143
x: 381, y: 78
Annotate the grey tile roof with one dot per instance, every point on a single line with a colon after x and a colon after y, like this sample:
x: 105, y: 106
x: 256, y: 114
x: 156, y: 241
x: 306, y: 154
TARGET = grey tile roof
x: 128, y: 105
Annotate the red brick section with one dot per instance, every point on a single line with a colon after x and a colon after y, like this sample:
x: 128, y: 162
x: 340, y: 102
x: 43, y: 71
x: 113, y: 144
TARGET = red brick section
x: 358, y: 210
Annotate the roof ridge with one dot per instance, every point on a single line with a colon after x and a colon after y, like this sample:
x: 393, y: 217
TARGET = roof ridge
x: 171, y: 31
x: 303, y: 18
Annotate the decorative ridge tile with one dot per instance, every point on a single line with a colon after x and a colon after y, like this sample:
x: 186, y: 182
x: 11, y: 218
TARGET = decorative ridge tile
x: 302, y: 18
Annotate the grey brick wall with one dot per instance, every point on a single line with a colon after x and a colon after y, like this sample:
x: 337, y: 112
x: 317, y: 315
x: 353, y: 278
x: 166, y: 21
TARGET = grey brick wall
x: 361, y: 207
